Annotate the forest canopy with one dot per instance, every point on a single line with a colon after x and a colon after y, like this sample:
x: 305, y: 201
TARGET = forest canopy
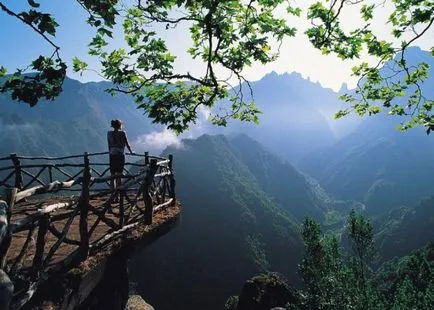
x: 226, y: 38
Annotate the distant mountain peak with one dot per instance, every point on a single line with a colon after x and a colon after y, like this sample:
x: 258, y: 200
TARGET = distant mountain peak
x: 344, y: 88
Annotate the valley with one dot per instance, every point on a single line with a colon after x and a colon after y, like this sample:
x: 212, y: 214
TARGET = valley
x: 246, y: 189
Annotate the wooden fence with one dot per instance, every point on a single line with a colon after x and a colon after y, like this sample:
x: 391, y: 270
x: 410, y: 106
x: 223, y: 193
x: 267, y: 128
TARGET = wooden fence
x: 62, y: 209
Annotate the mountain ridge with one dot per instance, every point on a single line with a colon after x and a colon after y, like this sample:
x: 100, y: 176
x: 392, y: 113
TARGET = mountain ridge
x: 232, y: 216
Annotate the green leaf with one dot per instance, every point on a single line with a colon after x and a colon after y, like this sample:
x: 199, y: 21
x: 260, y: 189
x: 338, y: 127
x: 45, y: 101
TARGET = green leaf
x: 367, y: 11
x: 3, y: 71
x: 78, y: 65
x: 105, y: 32
x: 33, y: 3
x: 341, y: 114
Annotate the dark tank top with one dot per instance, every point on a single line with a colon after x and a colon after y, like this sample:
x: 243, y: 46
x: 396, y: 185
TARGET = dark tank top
x: 116, y: 141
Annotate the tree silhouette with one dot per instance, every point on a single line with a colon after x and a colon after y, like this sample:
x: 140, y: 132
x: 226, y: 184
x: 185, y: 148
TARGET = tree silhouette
x: 227, y: 37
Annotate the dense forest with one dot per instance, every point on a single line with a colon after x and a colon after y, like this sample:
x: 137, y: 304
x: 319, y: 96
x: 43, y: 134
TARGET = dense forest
x: 337, y: 279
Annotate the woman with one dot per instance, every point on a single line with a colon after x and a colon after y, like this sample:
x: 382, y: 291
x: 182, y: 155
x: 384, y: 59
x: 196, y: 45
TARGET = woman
x: 117, y: 140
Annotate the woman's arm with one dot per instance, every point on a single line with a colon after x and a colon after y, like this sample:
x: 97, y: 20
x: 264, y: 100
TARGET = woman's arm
x: 126, y: 143
x: 108, y: 140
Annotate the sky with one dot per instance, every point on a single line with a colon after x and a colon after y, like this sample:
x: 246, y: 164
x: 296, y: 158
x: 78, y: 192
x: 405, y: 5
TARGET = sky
x: 20, y: 44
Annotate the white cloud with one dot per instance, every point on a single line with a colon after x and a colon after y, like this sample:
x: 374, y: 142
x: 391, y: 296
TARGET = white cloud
x: 156, y: 141
x: 204, y: 112
x: 14, y: 127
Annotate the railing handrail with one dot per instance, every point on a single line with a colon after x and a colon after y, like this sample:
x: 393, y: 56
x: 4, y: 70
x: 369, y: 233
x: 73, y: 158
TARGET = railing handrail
x: 17, y: 173
x: 10, y: 157
x: 72, y: 165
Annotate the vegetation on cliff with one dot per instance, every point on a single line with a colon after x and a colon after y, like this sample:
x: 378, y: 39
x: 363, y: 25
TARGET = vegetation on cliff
x: 338, y: 278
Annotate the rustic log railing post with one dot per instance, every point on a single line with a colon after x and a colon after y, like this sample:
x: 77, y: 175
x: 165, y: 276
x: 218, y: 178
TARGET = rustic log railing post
x: 4, y: 248
x: 50, y: 173
x: 121, y: 208
x: 5, y: 243
x: 149, y: 208
x: 163, y: 194
x: 38, y: 260
x: 18, y: 175
x: 10, y: 200
x: 172, y: 180
x: 30, y: 242
x: 146, y: 158
x: 84, y: 208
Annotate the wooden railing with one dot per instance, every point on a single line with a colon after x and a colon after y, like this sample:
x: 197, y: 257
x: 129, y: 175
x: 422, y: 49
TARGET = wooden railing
x: 68, y: 228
